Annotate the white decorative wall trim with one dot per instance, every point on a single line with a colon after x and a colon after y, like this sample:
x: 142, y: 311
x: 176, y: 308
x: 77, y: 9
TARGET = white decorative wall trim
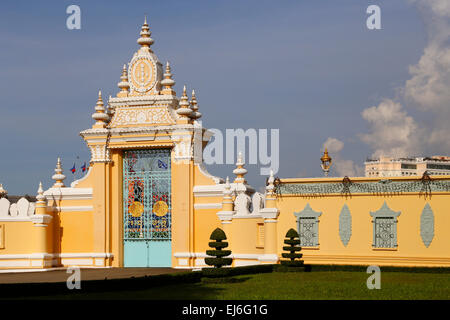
x: 69, y: 193
x: 71, y: 209
x: 15, y: 219
x: 244, y: 256
x: 208, y: 205
x: 268, y: 258
x: 26, y: 256
x: 41, y: 219
x: 55, y: 255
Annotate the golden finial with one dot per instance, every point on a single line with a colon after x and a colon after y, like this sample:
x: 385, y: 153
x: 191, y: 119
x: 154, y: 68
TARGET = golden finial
x: 240, y: 171
x: 99, y: 115
x: 194, y: 106
x: 145, y: 40
x: 326, y: 162
x: 58, y: 176
x: 184, y: 111
x: 124, y: 84
x: 168, y: 82
x: 40, y: 196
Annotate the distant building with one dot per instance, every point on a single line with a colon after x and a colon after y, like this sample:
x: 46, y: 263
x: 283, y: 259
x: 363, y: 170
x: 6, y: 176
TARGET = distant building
x: 391, y: 167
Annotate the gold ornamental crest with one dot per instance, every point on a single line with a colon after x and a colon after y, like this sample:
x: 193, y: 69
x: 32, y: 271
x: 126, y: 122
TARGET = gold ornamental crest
x: 160, y: 208
x: 136, y: 209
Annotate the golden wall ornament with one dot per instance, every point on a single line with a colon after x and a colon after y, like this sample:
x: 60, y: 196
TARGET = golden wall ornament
x: 136, y: 209
x: 160, y: 208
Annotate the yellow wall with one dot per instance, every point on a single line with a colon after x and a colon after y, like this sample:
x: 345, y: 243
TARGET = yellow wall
x: 359, y: 249
x: 18, y: 237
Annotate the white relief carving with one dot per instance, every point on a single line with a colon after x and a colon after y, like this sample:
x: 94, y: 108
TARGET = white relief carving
x: 32, y: 208
x: 132, y: 116
x: 22, y: 207
x: 242, y: 204
x: 99, y: 153
x: 140, y: 76
x: 4, y: 207
x: 13, y: 210
x: 258, y: 201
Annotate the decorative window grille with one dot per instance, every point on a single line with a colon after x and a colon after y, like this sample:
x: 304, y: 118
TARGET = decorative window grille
x: 384, y: 227
x: 308, y: 226
x: 385, y: 232
x: 2, y: 236
x: 260, y: 235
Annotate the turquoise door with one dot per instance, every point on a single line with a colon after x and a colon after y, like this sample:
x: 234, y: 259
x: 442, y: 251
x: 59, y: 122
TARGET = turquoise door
x: 147, y: 208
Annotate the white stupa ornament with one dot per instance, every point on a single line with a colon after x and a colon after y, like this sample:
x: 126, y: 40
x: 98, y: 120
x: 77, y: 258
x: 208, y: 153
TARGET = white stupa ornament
x: 3, y: 192
x: 58, y: 176
x: 194, y: 107
x: 40, y: 196
x: 100, y: 116
x: 145, y: 41
x: 168, y: 82
x: 184, y: 111
x: 124, y: 85
x: 227, y: 191
x: 240, y: 171
x: 270, y: 186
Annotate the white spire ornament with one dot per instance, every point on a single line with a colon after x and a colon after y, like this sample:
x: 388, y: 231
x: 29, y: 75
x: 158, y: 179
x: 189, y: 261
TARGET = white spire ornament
x: 124, y: 85
x: 240, y: 171
x: 194, y: 107
x: 270, y: 186
x: 100, y: 116
x: 58, y: 176
x: 168, y: 82
x: 145, y: 41
x: 184, y: 111
x: 40, y: 196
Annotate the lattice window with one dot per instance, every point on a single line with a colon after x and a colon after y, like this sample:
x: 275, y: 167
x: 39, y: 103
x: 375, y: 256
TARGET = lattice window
x: 2, y: 236
x: 260, y: 235
x: 308, y: 226
x: 385, y: 227
x: 385, y: 232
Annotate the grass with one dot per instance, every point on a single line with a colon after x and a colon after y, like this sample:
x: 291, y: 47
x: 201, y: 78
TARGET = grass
x: 299, y: 286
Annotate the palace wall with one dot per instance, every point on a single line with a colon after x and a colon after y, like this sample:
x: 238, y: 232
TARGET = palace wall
x: 362, y: 221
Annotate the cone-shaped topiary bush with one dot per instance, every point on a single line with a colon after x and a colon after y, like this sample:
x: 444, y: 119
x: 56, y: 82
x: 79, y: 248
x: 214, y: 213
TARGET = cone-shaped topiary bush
x: 218, y: 235
x: 294, y: 247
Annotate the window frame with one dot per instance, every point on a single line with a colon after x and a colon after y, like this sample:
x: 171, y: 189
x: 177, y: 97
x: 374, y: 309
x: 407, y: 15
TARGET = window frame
x: 308, y: 213
x: 385, y: 213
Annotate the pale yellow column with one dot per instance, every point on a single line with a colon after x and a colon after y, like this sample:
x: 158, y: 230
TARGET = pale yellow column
x: 43, y: 235
x: 270, y: 214
x: 226, y: 214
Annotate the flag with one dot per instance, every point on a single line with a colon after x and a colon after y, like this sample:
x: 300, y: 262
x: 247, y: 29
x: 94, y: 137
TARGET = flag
x: 73, y: 168
x: 83, y: 167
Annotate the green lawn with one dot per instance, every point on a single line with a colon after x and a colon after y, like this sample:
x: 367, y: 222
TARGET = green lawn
x: 304, y: 285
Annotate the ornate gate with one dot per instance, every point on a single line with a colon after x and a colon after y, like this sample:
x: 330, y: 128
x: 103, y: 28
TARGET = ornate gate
x: 147, y: 208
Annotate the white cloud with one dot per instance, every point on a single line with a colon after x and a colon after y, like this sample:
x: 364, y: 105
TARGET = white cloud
x: 392, y: 132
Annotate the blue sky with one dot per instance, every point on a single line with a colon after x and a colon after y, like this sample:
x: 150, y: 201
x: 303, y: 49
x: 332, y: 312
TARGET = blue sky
x: 308, y: 68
